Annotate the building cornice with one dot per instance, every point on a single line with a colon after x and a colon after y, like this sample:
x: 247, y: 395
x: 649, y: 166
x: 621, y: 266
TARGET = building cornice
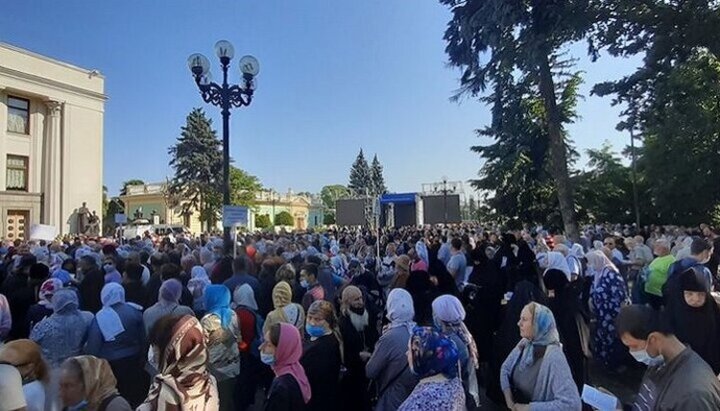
x: 41, y: 81
x: 50, y: 59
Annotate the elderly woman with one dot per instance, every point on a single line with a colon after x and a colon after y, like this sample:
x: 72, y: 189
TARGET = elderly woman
x: 388, y: 365
x: 117, y: 334
x: 183, y: 381
x: 285, y: 310
x: 536, y: 374
x: 43, y: 308
x: 63, y: 334
x: 433, y: 357
x: 246, y: 309
x: 323, y: 356
x: 608, y: 295
x: 26, y: 356
x: 281, y: 349
x: 168, y: 304
x: 198, y: 281
x: 221, y: 327
x: 449, y: 315
x: 88, y: 383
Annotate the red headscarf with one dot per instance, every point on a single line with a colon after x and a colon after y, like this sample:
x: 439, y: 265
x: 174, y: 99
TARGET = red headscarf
x: 287, y: 358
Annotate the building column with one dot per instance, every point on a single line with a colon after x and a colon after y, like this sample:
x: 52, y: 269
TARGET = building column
x: 52, y: 173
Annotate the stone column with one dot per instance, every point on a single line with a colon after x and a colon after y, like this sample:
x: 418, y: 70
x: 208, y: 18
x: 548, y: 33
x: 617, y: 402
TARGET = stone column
x: 52, y: 172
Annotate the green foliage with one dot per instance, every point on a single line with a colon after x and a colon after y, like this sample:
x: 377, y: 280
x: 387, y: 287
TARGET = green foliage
x: 360, y: 179
x: 284, y: 218
x: 197, y: 161
x: 679, y: 158
x: 376, y: 177
x: 330, y: 194
x: 243, y: 187
x: 329, y: 218
x: 262, y: 221
x: 131, y: 182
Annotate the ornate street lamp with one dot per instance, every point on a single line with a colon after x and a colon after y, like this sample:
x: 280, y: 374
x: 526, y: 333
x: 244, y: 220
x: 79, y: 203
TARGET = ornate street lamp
x: 225, y: 96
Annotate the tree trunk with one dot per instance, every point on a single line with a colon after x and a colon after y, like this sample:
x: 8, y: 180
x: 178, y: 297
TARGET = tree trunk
x: 558, y: 151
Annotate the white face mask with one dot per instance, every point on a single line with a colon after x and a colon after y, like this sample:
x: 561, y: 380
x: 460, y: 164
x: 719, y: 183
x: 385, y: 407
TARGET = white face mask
x: 642, y: 356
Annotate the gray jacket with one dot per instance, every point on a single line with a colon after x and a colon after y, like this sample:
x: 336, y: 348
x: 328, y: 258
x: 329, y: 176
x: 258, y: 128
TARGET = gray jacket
x: 387, y: 362
x: 554, y: 389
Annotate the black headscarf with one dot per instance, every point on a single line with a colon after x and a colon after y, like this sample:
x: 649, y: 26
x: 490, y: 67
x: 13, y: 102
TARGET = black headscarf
x: 697, y: 327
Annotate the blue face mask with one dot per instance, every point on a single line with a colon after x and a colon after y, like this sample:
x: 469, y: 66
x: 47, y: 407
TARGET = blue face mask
x: 81, y: 406
x: 315, y: 330
x: 645, y: 358
x: 109, y: 268
x: 304, y: 284
x: 268, y: 359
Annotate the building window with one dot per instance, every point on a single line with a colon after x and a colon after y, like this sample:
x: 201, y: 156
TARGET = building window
x: 17, y: 173
x: 18, y: 115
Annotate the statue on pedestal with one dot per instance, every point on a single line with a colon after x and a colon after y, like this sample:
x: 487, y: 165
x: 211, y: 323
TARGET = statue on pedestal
x: 83, y: 217
x: 93, y: 227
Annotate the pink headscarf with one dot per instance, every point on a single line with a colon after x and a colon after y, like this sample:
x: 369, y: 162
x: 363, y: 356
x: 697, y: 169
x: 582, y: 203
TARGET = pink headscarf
x: 287, y: 358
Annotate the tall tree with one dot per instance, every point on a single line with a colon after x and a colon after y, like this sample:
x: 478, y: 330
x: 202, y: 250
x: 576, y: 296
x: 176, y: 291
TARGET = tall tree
x: 377, y: 178
x: 360, y: 179
x: 244, y: 187
x: 493, y: 41
x: 330, y: 194
x: 131, y: 182
x: 196, y: 158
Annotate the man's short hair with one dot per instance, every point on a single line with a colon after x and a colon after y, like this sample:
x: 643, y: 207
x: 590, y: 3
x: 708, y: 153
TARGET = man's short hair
x: 170, y: 270
x: 456, y: 243
x: 311, y: 268
x: 699, y: 245
x: 639, y: 321
x: 134, y: 271
x: 240, y: 264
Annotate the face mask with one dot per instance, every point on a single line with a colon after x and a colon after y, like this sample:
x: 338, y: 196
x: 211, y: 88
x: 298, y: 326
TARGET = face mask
x: 358, y: 311
x: 81, y: 406
x: 315, y: 330
x: 108, y: 268
x: 304, y: 284
x: 268, y: 359
x: 642, y: 356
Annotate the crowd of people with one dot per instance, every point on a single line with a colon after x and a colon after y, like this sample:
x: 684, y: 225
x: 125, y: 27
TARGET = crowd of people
x: 442, y: 318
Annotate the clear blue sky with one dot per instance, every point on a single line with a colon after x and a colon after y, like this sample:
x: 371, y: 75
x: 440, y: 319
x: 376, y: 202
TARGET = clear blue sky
x: 335, y: 76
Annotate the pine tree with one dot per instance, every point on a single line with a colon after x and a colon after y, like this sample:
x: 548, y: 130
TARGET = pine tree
x: 360, y: 178
x: 376, y: 175
x: 196, y: 158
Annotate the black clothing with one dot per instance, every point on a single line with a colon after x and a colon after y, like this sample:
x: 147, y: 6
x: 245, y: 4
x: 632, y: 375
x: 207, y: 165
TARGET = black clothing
x: 135, y: 293
x: 565, y: 306
x: 354, y: 383
x: 482, y: 299
x: 284, y: 395
x: 152, y: 288
x: 264, y: 294
x: 321, y: 360
x: 37, y: 313
x: 90, y: 288
x: 20, y: 296
x: 423, y: 293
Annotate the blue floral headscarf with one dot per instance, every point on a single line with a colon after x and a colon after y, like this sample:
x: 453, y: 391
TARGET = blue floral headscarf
x: 217, y: 301
x: 433, y: 353
x: 544, y: 332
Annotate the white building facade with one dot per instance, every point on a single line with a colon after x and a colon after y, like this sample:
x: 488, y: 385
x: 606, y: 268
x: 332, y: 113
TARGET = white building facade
x: 51, y: 142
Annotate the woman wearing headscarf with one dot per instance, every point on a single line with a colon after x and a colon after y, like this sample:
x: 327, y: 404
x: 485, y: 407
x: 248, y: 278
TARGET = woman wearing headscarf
x: 88, y: 383
x: 402, y: 272
x: 246, y: 309
x: 26, y: 356
x: 536, y: 374
x: 62, y: 334
x: 388, y: 365
x: 433, y: 357
x: 168, y: 304
x: 448, y: 313
x: 117, y: 335
x: 608, y: 295
x: 285, y: 310
x: 322, y: 356
x: 358, y: 328
x: 564, y: 302
x: 281, y: 350
x: 198, y: 281
x: 695, y: 316
x: 556, y: 261
x: 221, y: 327
x: 183, y: 381
x: 508, y: 334
x: 43, y: 308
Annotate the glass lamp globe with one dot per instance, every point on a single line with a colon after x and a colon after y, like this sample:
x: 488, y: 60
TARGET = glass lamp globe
x: 224, y: 48
x: 198, y: 64
x: 249, y: 65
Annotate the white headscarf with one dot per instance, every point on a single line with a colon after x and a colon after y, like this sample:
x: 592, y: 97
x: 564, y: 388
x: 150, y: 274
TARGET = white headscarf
x: 598, y: 261
x: 557, y: 261
x: 107, y: 318
x: 400, y: 310
x: 245, y: 296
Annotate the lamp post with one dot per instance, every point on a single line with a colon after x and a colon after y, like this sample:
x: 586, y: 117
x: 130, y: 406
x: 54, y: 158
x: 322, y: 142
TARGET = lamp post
x: 225, y: 96
x: 445, y: 190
